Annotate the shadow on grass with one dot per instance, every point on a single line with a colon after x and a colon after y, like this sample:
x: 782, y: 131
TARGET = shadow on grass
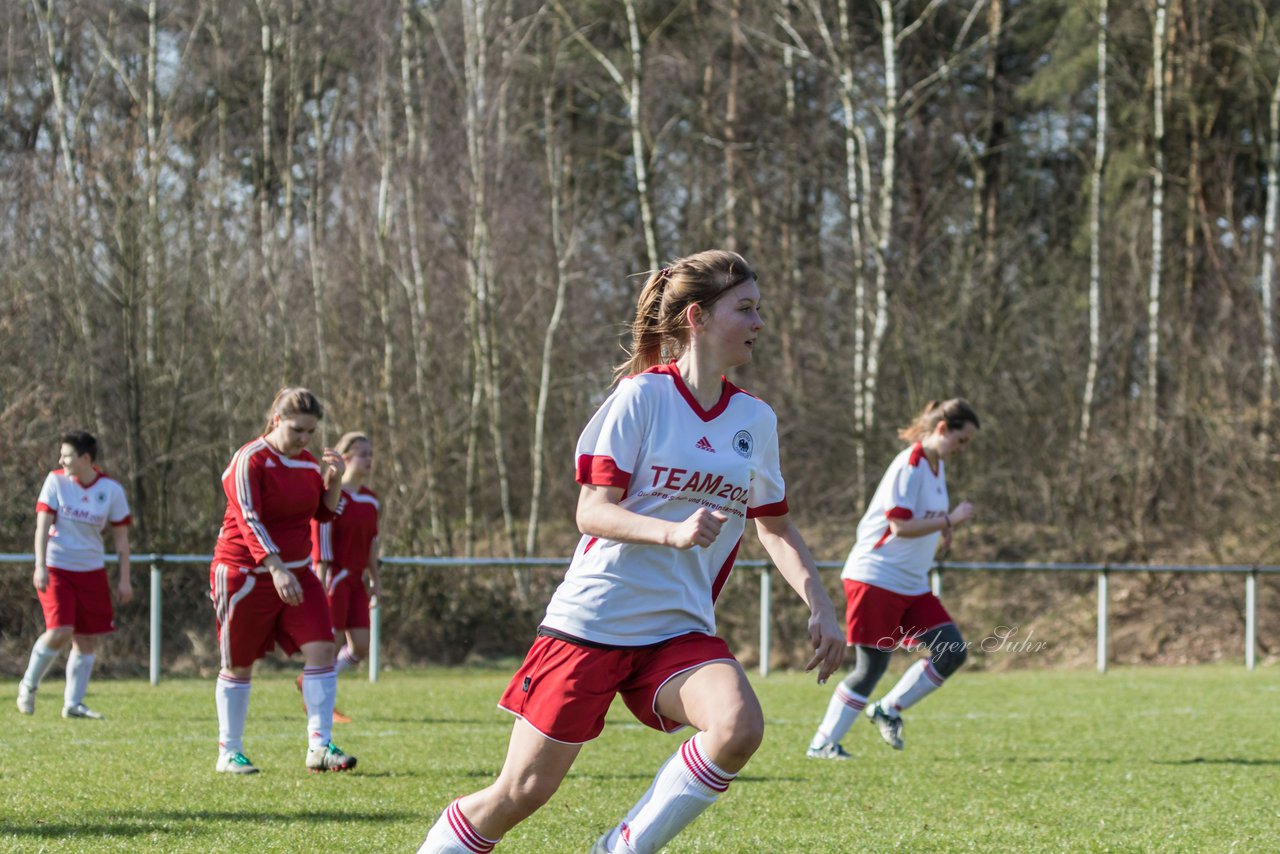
x: 1221, y: 760
x: 129, y: 824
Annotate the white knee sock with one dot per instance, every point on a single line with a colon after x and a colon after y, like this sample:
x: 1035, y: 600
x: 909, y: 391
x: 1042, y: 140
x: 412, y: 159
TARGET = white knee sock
x: 686, y: 785
x: 232, y: 697
x: 319, y: 690
x: 42, y: 658
x: 842, y: 710
x: 346, y: 660
x: 453, y: 834
x: 920, y: 680
x: 79, y: 668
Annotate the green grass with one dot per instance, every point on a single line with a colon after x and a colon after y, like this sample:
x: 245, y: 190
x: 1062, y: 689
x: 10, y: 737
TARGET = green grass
x: 1138, y: 759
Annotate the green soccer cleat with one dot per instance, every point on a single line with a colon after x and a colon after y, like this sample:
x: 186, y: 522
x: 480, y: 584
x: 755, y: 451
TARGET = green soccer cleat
x: 235, y: 763
x: 80, y: 710
x: 329, y: 758
x: 890, y: 726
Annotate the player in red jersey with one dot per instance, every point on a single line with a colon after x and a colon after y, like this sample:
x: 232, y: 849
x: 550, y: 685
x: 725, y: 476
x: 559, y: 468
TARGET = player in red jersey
x: 343, y: 549
x: 886, y: 580
x: 76, y: 502
x: 671, y: 467
x: 263, y: 591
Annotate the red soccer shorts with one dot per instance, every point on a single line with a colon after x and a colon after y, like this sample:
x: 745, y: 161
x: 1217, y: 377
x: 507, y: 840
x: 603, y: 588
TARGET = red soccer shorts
x: 252, y: 618
x: 563, y: 690
x: 883, y: 619
x: 348, y: 600
x: 81, y: 600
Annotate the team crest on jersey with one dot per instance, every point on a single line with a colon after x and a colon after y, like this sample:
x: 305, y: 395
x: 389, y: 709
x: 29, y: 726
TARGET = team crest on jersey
x: 102, y: 497
x: 742, y: 443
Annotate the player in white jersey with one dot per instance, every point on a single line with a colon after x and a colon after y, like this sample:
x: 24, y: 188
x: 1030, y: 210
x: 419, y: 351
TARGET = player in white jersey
x: 76, y: 502
x: 886, y: 580
x: 671, y: 467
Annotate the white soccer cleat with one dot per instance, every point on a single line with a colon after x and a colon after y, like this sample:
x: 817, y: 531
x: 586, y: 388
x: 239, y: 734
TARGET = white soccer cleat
x: 235, y: 763
x: 890, y: 726
x: 828, y: 751
x: 26, y: 699
x: 80, y: 710
x: 328, y: 758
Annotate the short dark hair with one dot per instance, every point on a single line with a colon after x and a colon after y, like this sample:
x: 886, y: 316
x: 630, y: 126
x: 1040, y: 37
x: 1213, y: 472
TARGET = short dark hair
x: 83, y: 441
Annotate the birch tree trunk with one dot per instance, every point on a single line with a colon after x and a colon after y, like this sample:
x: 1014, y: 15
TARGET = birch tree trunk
x: 1266, y: 278
x: 558, y: 168
x: 1157, y: 221
x: 417, y: 153
x: 1095, y: 230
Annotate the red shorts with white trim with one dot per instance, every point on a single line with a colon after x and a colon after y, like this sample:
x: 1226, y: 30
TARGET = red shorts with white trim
x: 563, y: 689
x: 79, y: 600
x: 348, y: 600
x: 883, y: 619
x: 252, y: 618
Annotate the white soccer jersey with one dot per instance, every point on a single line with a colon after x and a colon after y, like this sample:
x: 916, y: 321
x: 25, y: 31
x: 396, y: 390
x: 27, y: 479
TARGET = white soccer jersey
x: 910, y: 489
x: 670, y: 457
x: 81, y: 511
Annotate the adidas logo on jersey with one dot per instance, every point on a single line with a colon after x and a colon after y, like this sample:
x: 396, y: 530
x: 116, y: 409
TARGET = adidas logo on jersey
x: 704, y: 445
x: 270, y: 463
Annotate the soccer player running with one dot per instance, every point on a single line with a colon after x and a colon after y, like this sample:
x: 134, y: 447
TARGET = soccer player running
x: 886, y: 580
x: 76, y: 503
x: 671, y: 466
x: 342, y: 549
x: 263, y: 590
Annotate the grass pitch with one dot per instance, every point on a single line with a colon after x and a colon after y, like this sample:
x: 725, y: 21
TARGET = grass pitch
x: 1135, y: 760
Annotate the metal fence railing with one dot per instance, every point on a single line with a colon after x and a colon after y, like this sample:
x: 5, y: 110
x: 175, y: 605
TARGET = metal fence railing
x: 1102, y: 571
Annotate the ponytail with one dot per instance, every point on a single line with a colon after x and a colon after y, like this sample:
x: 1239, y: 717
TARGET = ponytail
x: 956, y: 412
x: 660, y: 330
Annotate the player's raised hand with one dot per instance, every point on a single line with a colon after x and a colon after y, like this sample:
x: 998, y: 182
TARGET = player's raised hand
x: 331, y: 466
x: 699, y: 530
x: 828, y: 644
x: 963, y: 513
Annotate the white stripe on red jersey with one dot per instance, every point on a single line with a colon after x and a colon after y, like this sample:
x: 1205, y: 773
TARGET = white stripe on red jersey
x: 271, y: 500
x: 346, y: 540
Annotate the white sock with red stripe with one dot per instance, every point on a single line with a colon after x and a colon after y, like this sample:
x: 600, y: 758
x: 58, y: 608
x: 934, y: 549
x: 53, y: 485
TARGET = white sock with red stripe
x: 42, y: 658
x: 842, y: 710
x: 319, y: 691
x: 920, y: 680
x: 232, y: 698
x: 79, y: 669
x: 686, y: 785
x: 346, y: 660
x: 453, y: 834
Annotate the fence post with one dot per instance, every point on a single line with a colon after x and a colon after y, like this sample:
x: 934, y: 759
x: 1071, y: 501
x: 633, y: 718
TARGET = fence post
x: 157, y: 618
x: 766, y: 617
x: 1250, y: 617
x: 375, y: 638
x: 935, y: 580
x: 1102, y: 620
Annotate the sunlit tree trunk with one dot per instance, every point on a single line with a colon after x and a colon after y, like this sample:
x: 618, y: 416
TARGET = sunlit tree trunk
x: 1157, y: 221
x: 1095, y: 230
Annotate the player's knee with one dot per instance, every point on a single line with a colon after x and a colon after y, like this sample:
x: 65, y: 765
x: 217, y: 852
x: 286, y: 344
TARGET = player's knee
x: 737, y: 734
x: 524, y: 797
x: 949, y: 659
x: 360, y: 650
x: 59, y: 637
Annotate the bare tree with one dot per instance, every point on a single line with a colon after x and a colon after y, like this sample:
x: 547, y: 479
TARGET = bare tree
x: 1095, y: 228
x: 1157, y: 218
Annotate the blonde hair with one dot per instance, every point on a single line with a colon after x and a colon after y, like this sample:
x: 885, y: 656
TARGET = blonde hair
x: 291, y: 401
x: 660, y: 330
x: 956, y: 412
x: 349, y: 439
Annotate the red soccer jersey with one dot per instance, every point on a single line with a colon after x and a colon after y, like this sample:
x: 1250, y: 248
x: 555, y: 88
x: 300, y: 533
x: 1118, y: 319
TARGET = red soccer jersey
x: 345, y: 541
x: 271, y: 500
